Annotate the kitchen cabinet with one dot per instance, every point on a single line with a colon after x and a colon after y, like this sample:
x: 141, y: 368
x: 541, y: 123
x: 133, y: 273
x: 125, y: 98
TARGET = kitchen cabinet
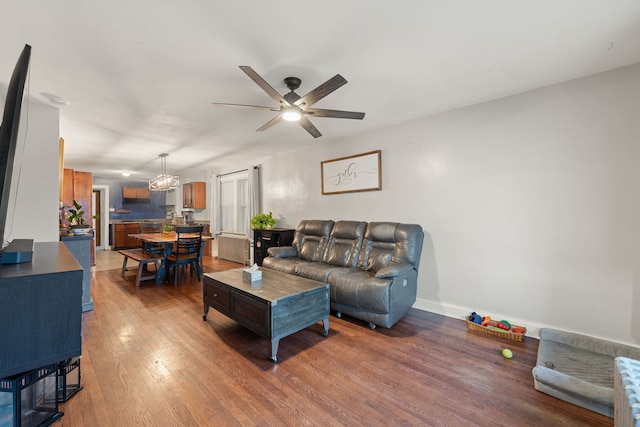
x: 67, y: 188
x: 136, y: 193
x: 120, y: 235
x: 194, y: 195
x: 78, y: 186
x: 83, y: 192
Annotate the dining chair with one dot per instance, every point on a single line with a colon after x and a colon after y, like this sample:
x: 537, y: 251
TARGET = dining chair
x: 186, y: 252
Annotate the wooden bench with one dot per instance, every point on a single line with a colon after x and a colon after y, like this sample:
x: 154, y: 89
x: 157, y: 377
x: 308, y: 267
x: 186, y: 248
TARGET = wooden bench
x: 143, y: 257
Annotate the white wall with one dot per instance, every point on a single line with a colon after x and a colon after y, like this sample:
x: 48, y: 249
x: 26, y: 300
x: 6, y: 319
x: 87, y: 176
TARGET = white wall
x: 530, y: 203
x: 33, y: 207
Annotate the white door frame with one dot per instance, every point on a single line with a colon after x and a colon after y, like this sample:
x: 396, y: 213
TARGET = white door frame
x: 104, y: 215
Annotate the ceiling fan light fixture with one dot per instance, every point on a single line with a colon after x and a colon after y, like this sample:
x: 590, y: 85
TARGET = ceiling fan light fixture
x: 291, y: 114
x: 293, y: 107
x: 164, y: 181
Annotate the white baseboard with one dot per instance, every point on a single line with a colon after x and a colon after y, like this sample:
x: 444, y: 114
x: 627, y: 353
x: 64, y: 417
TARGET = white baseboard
x: 462, y: 313
x: 533, y: 329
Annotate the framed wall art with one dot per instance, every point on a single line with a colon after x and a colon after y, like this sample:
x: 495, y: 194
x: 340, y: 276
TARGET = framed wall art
x: 361, y: 172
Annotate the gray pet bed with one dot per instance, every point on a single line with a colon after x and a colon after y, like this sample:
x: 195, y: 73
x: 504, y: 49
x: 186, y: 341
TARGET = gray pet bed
x: 578, y: 368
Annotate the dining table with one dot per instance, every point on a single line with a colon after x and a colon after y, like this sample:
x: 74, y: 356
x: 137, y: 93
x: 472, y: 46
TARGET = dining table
x: 163, y: 243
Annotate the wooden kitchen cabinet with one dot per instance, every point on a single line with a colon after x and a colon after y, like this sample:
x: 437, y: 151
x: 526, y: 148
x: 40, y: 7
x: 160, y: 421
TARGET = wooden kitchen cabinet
x: 67, y: 188
x: 194, y: 195
x: 83, y: 192
x: 78, y: 186
x: 142, y: 193
x: 120, y: 235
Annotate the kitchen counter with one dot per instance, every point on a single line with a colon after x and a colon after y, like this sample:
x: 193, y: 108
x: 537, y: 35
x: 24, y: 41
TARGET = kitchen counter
x: 120, y: 231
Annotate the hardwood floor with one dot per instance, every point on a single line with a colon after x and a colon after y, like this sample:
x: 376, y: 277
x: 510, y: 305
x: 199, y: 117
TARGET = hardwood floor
x: 149, y: 359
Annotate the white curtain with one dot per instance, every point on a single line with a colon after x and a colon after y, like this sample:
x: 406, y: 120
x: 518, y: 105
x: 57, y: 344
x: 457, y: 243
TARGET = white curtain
x: 255, y: 196
x: 254, y: 202
x: 216, y: 229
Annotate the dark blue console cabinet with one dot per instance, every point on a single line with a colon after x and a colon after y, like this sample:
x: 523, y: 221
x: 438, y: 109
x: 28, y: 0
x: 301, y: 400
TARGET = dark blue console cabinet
x: 40, y: 310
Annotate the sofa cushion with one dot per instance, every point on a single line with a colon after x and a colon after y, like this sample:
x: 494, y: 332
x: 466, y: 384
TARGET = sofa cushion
x: 311, y: 238
x: 361, y: 289
x: 345, y: 243
x: 318, y: 271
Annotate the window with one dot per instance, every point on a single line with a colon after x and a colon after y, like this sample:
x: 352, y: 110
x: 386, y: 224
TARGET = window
x: 234, y: 203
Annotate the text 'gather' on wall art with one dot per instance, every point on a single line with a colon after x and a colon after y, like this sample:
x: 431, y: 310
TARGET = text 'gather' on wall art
x: 361, y: 172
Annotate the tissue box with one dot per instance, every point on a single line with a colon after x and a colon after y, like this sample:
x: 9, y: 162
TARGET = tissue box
x: 251, y: 275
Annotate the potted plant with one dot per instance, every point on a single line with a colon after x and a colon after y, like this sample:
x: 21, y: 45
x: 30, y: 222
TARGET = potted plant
x: 263, y: 220
x: 76, y: 219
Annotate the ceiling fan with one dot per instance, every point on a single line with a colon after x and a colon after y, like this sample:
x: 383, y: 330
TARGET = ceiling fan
x: 294, y: 107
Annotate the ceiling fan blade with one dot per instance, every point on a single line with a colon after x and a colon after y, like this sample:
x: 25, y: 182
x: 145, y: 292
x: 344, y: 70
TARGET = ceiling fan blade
x: 270, y: 123
x: 264, y: 85
x: 309, y: 127
x: 258, y: 107
x: 317, y: 112
x: 321, y: 91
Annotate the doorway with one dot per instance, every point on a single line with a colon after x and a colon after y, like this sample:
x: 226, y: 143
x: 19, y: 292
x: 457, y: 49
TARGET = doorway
x: 100, y: 205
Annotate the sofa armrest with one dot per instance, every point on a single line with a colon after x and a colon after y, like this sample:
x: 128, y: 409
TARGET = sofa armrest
x: 394, y: 270
x: 282, y: 252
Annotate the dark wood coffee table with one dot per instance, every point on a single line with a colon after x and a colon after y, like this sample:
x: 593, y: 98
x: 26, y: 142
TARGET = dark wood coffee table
x: 274, y: 307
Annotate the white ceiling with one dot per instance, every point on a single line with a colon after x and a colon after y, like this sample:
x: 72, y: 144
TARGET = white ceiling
x: 140, y: 75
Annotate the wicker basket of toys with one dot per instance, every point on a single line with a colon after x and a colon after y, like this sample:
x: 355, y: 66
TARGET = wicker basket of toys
x: 501, y: 328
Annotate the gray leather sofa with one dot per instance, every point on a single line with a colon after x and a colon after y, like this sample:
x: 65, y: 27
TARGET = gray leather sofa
x: 372, y: 268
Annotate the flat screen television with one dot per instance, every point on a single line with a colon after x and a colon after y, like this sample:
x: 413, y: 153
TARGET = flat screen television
x: 9, y: 133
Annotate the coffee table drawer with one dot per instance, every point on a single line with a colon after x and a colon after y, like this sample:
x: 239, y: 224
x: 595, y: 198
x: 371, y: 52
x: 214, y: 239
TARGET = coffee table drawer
x: 251, y: 313
x: 217, y: 295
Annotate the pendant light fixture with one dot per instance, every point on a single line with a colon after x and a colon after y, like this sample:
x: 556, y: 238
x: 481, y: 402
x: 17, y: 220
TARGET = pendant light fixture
x: 164, y: 181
